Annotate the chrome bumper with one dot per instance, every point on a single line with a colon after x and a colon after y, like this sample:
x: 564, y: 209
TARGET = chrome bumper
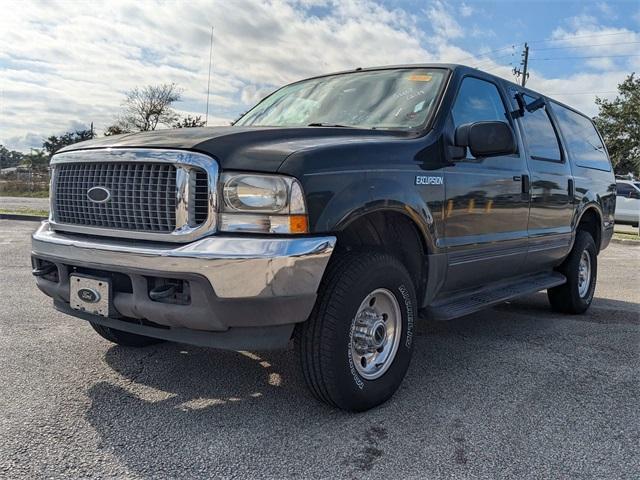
x: 236, y: 281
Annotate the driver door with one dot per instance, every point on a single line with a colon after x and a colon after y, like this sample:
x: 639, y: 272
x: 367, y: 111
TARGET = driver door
x: 485, y: 209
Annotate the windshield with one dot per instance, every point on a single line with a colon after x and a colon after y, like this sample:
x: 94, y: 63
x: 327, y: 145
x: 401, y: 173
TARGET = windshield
x: 388, y: 99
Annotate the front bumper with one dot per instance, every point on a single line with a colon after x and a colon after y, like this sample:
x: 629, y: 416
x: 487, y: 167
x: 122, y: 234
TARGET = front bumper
x: 240, y: 288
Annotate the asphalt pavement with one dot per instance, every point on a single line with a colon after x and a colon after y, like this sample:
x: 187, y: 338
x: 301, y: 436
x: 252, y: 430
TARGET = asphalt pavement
x: 513, y: 392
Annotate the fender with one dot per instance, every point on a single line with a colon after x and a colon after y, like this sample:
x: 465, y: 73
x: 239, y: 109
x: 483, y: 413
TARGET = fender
x: 394, y: 192
x: 582, y: 208
x: 383, y: 193
x: 588, y: 202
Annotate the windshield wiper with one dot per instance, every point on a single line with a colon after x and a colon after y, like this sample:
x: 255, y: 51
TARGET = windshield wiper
x: 318, y: 124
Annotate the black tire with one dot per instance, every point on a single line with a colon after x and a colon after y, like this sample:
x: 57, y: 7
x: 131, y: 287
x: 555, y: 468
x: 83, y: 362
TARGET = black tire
x: 324, y: 340
x: 125, y: 339
x: 566, y: 298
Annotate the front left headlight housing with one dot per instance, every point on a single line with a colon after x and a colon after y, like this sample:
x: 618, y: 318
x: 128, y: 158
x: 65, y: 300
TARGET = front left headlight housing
x: 262, y: 204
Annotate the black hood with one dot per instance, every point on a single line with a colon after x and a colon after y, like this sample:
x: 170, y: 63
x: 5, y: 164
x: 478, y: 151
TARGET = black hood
x: 261, y: 149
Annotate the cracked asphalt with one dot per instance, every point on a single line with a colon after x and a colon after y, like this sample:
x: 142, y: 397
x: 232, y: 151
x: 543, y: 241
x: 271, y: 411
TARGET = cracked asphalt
x: 512, y: 392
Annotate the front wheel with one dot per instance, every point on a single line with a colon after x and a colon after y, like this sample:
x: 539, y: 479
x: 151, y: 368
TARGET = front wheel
x: 356, y: 346
x: 581, y: 270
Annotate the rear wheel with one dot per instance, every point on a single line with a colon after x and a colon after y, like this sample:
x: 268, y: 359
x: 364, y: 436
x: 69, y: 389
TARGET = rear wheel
x: 125, y: 339
x: 356, y: 346
x: 581, y: 270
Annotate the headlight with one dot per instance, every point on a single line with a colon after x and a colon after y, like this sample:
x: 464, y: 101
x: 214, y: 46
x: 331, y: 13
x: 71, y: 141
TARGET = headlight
x: 255, y: 193
x: 262, y: 204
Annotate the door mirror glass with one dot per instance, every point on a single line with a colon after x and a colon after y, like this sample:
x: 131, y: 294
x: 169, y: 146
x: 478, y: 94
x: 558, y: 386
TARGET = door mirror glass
x: 486, y: 139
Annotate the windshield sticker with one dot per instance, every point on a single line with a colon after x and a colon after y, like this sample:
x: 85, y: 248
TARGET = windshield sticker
x: 420, y: 77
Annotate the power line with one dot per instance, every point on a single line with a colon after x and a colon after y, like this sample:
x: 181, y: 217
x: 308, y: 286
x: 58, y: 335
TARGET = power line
x: 583, y: 93
x: 588, y: 56
x: 474, y: 57
x: 581, y: 36
x: 513, y: 46
x: 484, y: 63
x: 487, y: 61
x: 591, y: 45
x: 496, y: 67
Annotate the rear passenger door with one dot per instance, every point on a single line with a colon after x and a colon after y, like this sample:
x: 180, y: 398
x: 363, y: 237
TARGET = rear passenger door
x: 485, y: 210
x: 551, y: 189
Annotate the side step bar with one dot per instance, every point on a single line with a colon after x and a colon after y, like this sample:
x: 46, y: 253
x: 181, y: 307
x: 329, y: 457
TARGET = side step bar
x: 468, y: 302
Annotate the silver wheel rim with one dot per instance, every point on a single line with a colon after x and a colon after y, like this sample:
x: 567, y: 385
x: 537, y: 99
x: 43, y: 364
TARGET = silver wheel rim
x: 584, y: 274
x: 375, y: 334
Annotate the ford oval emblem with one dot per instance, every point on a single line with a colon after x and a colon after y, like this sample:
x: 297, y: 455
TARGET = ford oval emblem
x: 98, y: 194
x: 88, y: 295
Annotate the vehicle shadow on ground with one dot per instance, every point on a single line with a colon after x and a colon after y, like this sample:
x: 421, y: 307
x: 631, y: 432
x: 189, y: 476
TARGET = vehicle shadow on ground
x: 218, y: 404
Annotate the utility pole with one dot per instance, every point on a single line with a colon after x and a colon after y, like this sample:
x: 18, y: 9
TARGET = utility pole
x: 525, y: 65
x: 206, y: 116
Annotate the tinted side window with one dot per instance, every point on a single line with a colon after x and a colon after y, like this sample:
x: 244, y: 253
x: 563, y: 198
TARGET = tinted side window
x: 540, y: 135
x: 583, y: 142
x: 623, y: 189
x: 477, y: 101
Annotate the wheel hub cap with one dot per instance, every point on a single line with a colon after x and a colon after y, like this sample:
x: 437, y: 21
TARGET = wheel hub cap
x: 370, y: 331
x: 584, y: 273
x: 375, y: 334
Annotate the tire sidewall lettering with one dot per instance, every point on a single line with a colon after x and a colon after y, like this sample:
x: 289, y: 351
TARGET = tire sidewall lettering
x: 356, y: 378
x: 404, y: 292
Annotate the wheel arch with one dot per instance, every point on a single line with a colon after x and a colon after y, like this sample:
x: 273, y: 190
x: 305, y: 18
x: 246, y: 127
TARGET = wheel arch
x: 396, y: 229
x: 590, y: 219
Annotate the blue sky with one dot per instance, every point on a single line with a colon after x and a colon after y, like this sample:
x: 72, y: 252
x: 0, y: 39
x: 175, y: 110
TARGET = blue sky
x: 62, y: 67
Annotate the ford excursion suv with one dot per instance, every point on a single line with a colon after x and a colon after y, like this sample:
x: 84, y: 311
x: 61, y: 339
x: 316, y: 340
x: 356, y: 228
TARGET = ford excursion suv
x: 332, y: 213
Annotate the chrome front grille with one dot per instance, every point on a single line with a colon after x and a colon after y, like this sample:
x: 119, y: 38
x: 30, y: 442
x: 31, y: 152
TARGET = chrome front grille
x: 201, y: 190
x: 142, y: 196
x: 167, y: 195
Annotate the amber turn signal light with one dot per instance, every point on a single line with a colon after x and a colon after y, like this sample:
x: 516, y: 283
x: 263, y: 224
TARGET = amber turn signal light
x: 298, y: 224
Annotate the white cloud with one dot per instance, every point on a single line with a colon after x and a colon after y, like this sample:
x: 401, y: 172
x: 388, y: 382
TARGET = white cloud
x: 607, y: 10
x: 466, y: 10
x: 62, y: 67
x: 252, y: 94
x: 23, y: 143
x: 442, y: 21
x: 65, y: 64
x: 589, y: 38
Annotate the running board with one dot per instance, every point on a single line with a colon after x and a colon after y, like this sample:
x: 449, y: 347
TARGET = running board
x: 478, y: 299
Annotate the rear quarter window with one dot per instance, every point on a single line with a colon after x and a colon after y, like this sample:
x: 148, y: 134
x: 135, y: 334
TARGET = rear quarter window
x: 581, y: 139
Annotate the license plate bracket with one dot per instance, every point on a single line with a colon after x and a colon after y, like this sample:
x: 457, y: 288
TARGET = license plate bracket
x: 90, y: 294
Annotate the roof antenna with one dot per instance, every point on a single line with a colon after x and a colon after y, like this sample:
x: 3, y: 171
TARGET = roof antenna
x: 206, y: 116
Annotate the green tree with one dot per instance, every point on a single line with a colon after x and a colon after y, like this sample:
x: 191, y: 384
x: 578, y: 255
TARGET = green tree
x: 115, y: 130
x: 36, y: 160
x: 190, y: 122
x: 147, y: 107
x: 10, y: 158
x: 54, y: 143
x: 619, y: 123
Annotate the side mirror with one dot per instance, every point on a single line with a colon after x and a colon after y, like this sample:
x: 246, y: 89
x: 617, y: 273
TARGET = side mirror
x: 486, y: 139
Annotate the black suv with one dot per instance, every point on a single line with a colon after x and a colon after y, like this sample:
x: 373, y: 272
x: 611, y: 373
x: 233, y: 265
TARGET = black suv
x: 332, y: 213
